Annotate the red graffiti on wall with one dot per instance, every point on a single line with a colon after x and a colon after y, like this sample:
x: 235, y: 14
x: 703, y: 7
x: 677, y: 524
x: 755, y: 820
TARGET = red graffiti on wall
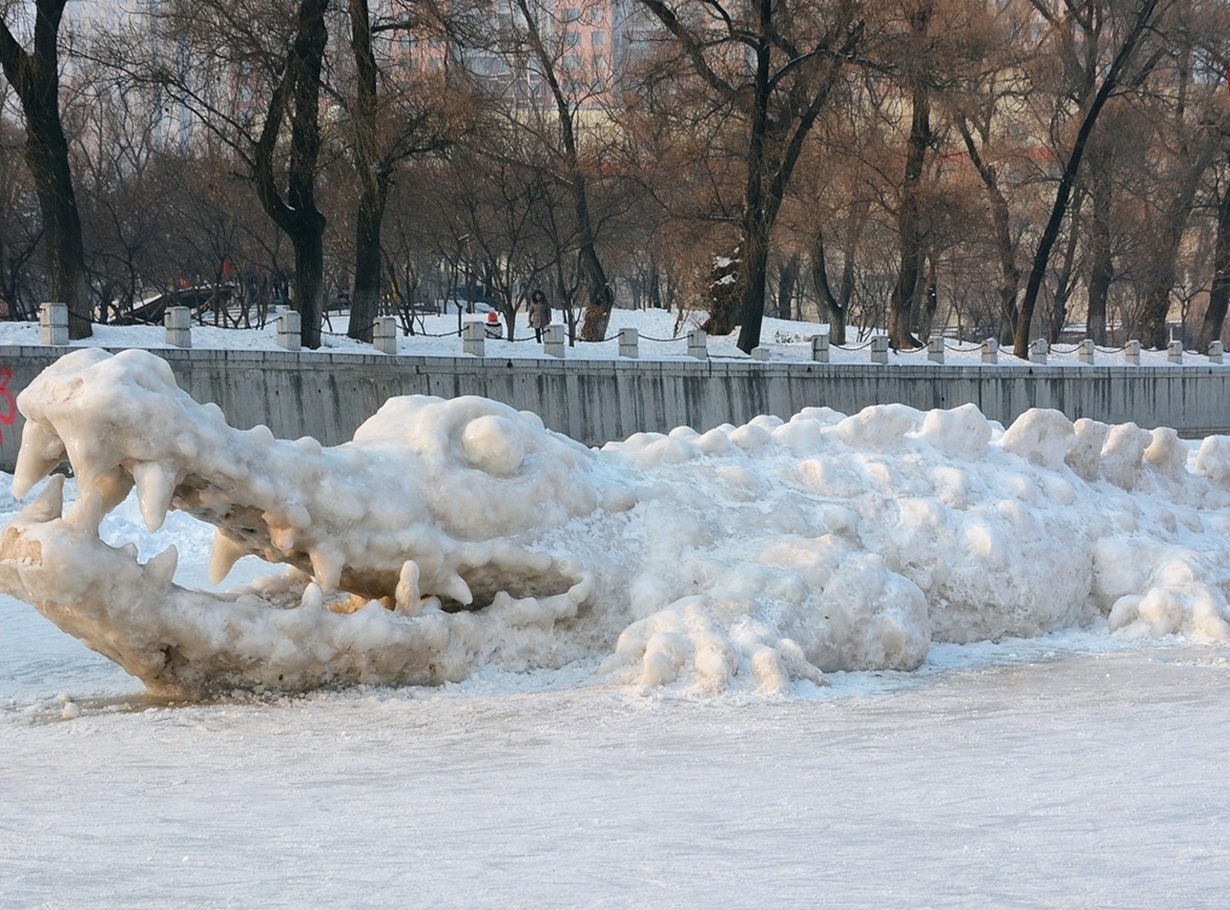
x: 8, y: 405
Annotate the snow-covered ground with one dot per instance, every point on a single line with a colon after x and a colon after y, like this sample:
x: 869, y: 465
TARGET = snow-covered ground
x: 1053, y: 773
x: 1078, y: 768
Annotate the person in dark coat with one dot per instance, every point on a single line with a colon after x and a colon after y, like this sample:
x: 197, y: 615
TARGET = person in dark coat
x: 540, y: 313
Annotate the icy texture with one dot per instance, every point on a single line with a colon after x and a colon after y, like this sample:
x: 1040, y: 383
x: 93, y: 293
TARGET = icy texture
x: 450, y: 534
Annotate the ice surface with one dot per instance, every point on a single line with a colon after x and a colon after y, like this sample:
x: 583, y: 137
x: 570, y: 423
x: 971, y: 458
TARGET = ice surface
x: 455, y: 534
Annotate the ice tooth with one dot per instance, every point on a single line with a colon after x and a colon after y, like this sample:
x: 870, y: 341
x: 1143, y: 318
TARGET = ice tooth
x: 161, y: 569
x: 455, y: 588
x: 326, y: 567
x: 281, y: 534
x: 222, y: 558
x: 406, y: 596
x: 83, y: 455
x: 87, y: 513
x: 49, y: 504
x: 39, y: 453
x: 313, y: 598
x: 113, y: 487
x: 155, y: 486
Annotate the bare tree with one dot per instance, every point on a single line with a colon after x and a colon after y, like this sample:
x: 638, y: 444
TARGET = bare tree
x: 34, y: 75
x: 291, y: 201
x: 386, y: 127
x: 775, y: 68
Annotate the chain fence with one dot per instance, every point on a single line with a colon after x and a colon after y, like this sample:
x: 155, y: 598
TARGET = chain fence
x: 202, y: 320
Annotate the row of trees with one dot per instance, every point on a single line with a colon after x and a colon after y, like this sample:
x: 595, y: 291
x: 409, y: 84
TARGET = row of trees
x: 1006, y: 168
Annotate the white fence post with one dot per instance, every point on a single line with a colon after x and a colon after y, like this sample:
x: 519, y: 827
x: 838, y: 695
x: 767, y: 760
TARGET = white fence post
x: 473, y: 335
x: 1037, y: 351
x: 1087, y: 351
x: 879, y: 349
x: 820, y: 348
x: 1174, y: 352
x: 178, y: 323
x: 629, y: 342
x: 1131, y: 353
x: 990, y: 350
x: 289, y: 336
x: 384, y: 334
x: 1216, y: 351
x: 53, y: 323
x: 698, y: 344
x: 553, y: 341
x: 935, y: 350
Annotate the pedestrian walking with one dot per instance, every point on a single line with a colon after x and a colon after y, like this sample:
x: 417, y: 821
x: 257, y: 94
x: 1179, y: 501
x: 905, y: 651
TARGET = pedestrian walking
x: 540, y: 313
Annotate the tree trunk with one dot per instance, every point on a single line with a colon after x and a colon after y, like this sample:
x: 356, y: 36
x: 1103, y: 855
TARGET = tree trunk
x: 35, y: 78
x: 365, y: 302
x: 751, y: 281
x: 835, y: 309
x: 788, y: 277
x: 373, y: 181
x: 838, y: 305
x: 905, y: 292
x: 904, y: 300
x: 1001, y: 224
x: 1219, y: 294
x: 297, y: 214
x: 928, y: 303
x: 1009, y: 273
x: 1102, y: 271
x: 595, y: 290
x: 1063, y: 288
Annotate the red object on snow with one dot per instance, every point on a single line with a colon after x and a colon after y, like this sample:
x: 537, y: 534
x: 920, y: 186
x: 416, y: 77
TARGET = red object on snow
x: 492, y: 317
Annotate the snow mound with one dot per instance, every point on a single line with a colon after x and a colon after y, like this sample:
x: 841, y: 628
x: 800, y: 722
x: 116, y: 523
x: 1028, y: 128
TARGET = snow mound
x: 452, y: 534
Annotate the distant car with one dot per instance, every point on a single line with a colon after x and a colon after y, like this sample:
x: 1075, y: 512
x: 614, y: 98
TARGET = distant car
x: 459, y: 306
x: 485, y: 299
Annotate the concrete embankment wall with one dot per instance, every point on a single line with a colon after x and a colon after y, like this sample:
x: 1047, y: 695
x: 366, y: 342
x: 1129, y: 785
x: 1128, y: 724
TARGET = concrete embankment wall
x: 328, y: 395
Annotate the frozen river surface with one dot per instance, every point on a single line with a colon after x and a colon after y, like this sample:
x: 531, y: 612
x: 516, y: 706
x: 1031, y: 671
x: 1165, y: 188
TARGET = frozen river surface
x: 1063, y: 772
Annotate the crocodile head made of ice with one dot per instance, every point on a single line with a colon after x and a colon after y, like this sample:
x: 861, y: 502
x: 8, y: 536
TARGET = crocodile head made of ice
x: 450, y: 534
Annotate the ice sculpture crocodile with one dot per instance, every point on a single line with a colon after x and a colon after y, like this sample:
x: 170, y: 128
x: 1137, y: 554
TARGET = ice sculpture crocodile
x: 450, y: 534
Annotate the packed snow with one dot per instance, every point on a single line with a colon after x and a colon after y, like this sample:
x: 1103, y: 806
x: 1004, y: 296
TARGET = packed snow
x: 453, y: 534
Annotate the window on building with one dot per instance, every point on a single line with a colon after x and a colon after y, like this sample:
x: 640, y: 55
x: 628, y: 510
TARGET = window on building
x: 572, y: 61
x: 598, y: 39
x: 571, y: 14
x: 572, y: 38
x: 597, y: 14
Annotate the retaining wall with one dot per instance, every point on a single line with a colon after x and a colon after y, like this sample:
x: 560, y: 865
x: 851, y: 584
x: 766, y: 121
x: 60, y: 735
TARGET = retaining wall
x: 328, y: 395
